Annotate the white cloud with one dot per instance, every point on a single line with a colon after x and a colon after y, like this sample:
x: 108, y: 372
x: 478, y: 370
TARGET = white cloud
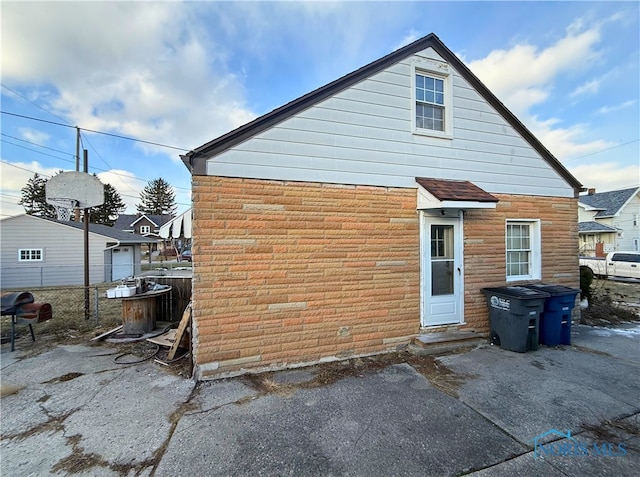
x: 410, y: 37
x: 588, y: 88
x: 523, y: 75
x: 13, y: 177
x: 157, y: 78
x: 606, y: 176
x: 565, y: 142
x: 617, y: 107
x: 126, y: 184
x: 34, y: 136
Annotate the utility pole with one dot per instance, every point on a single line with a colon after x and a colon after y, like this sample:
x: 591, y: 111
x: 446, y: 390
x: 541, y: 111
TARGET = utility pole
x: 87, y: 312
x: 76, y: 210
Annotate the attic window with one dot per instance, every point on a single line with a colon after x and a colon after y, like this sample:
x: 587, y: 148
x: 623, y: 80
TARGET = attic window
x: 429, y: 103
x: 432, y: 103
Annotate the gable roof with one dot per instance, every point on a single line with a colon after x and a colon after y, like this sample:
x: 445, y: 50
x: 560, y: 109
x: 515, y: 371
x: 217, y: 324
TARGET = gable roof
x: 106, y: 231
x: 195, y: 160
x: 127, y: 221
x: 609, y: 204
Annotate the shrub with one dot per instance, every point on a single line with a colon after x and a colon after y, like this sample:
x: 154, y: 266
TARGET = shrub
x: 586, y: 280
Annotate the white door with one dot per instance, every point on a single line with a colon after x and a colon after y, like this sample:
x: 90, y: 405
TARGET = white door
x: 121, y: 263
x: 441, y: 274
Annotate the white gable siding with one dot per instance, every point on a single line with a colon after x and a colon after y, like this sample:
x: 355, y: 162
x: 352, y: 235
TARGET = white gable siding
x: 362, y: 135
x: 63, y: 254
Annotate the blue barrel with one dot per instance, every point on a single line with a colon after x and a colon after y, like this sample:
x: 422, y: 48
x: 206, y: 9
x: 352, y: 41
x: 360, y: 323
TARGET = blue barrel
x: 555, y: 320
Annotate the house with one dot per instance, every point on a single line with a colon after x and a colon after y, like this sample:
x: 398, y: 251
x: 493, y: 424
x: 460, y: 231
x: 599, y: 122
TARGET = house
x: 370, y: 210
x: 145, y: 225
x: 45, y: 252
x: 608, y: 221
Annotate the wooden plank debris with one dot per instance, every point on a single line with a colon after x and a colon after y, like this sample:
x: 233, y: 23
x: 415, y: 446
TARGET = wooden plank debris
x: 182, y: 327
x: 104, y: 335
x: 166, y: 339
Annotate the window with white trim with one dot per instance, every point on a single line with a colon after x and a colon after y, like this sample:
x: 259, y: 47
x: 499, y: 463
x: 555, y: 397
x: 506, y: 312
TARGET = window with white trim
x: 30, y: 255
x: 145, y: 229
x: 429, y: 102
x: 523, y: 250
x: 432, y: 108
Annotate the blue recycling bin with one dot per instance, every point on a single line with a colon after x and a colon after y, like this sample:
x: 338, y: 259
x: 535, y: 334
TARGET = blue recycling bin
x: 514, y: 314
x: 555, y: 320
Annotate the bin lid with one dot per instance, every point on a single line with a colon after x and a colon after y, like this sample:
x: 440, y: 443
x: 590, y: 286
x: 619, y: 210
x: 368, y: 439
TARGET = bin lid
x: 553, y: 290
x: 521, y: 293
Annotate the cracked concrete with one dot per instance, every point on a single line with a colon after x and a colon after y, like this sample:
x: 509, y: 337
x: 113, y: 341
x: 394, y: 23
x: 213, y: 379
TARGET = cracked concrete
x: 73, y: 411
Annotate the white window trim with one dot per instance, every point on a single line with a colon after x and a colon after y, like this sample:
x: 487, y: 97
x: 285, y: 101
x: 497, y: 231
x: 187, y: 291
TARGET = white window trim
x: 147, y: 229
x: 31, y: 250
x: 535, y: 266
x: 441, y: 72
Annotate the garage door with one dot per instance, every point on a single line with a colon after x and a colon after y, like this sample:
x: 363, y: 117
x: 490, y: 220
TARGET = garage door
x: 122, y: 262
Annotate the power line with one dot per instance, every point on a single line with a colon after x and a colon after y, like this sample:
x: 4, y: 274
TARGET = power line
x: 73, y: 155
x: 32, y: 102
x: 36, y: 151
x: 36, y: 144
x: 24, y: 169
x: 48, y: 176
x: 98, y: 132
x: 603, y: 150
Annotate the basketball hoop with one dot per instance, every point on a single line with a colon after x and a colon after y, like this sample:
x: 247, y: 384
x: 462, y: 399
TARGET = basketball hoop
x: 87, y: 191
x: 64, y: 207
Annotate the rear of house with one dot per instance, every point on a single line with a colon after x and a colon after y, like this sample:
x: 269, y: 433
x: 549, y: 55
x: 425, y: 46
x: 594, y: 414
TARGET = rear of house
x: 372, y: 209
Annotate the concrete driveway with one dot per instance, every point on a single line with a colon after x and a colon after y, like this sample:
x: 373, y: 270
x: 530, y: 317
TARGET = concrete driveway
x: 571, y: 411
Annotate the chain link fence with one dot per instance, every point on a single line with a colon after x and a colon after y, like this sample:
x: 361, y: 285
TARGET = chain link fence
x: 62, y: 275
x: 70, y: 315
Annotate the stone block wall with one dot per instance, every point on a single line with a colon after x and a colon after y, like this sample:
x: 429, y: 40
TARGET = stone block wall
x: 288, y: 272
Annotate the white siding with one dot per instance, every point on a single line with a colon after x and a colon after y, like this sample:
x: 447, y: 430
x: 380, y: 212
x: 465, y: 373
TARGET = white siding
x: 363, y: 136
x: 63, y: 254
x: 624, y: 222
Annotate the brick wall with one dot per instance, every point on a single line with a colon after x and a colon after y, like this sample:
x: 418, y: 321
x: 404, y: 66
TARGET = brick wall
x: 289, y: 273
x: 484, y: 253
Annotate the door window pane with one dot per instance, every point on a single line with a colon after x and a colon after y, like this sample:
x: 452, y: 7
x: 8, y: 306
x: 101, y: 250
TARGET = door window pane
x: 442, y: 260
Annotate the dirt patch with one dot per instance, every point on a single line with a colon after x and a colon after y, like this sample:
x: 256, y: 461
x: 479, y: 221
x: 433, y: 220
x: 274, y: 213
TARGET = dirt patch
x: 53, y: 424
x: 435, y: 372
x: 63, y: 378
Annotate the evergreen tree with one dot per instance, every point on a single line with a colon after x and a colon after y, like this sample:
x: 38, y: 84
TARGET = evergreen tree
x: 34, y: 198
x: 107, y: 213
x: 157, y: 198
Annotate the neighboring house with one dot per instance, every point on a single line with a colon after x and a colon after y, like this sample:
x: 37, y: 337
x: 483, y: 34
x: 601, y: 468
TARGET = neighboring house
x: 147, y: 225
x: 372, y: 209
x: 609, y: 221
x: 143, y: 224
x: 44, y: 252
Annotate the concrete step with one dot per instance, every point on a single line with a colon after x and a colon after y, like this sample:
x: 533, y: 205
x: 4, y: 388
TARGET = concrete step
x: 443, y: 342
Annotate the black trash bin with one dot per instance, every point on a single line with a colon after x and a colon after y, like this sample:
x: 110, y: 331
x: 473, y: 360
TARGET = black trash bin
x: 555, y: 320
x: 514, y: 314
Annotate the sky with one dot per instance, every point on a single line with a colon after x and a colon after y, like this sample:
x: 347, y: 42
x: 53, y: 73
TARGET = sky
x: 148, y: 81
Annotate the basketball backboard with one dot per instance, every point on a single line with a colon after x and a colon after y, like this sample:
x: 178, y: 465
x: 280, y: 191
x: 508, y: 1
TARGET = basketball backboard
x: 78, y: 188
